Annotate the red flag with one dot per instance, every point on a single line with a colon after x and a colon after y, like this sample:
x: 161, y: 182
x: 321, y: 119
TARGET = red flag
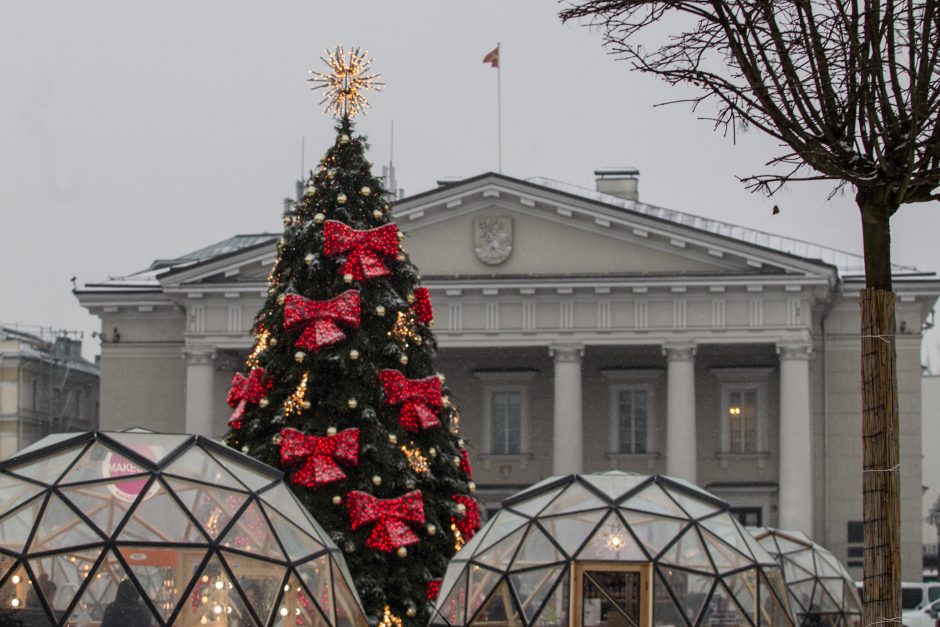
x: 492, y: 57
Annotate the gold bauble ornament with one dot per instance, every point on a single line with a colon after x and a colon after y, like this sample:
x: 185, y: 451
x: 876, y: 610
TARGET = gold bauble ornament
x: 354, y: 354
x: 280, y: 299
x: 365, y: 191
x: 276, y: 439
x: 331, y: 431
x: 352, y: 403
x: 319, y: 218
x: 445, y: 401
x: 410, y: 484
x: 403, y: 360
x: 263, y: 402
x: 377, y: 214
x: 401, y: 552
x: 337, y: 500
x: 411, y: 299
x: 401, y: 235
x: 461, y: 509
x: 347, y: 278
x: 432, y: 530
x: 308, y: 258
x: 273, y: 341
x: 287, y: 220
x: 349, y: 547
x: 392, y: 438
x: 344, y: 138
x: 460, y: 443
x: 417, y: 340
x: 341, y: 199
x: 401, y: 257
x: 380, y: 311
x: 432, y: 452
x: 410, y: 612
x: 376, y: 480
x: 471, y: 486
x: 299, y: 357
x: 456, y: 460
x: 310, y: 191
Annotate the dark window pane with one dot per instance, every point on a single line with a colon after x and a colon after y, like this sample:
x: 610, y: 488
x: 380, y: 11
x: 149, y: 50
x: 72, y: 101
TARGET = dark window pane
x: 856, y: 531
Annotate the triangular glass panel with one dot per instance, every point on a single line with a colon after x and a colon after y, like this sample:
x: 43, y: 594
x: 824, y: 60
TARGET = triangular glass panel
x: 834, y: 588
x: 696, y: 508
x: 297, y: 544
x: 152, y: 446
x: 788, y: 546
x: 19, y: 593
x: 283, y: 500
x: 345, y: 601
x: 654, y: 499
x: 851, y: 602
x: 100, y: 462
x: 316, y: 575
x: 158, y: 518
x: 259, y: 580
x: 195, y: 464
x: 573, y: 530
x: 254, y: 479
x: 722, y: 609
x: 536, y: 550
x: 481, y: 582
x: 614, y: 485
x: 534, y: 505
x: 500, y: 554
x: 574, y: 498
x: 724, y: 557
x: 6, y: 563
x: 802, y: 593
x: 101, y: 592
x: 503, y: 524
x: 743, y: 586
x: 655, y: 532
x: 823, y: 601
x: 452, y: 607
x: 252, y: 534
x: 163, y: 573
x: 688, y: 552
x: 804, y: 559
x: 773, y: 610
x: 795, y: 573
x: 533, y: 586
x: 104, y: 503
x: 60, y: 528
x: 211, y: 506
x: 57, y: 575
x: 691, y: 590
x: 733, y: 534
x: 825, y: 567
x: 48, y: 468
x: 213, y: 595
x: 499, y: 609
x: 16, y: 526
x: 14, y: 492
x: 612, y: 541
x: 555, y: 610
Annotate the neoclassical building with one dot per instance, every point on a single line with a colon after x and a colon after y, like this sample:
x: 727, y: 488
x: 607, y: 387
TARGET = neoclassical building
x: 581, y: 330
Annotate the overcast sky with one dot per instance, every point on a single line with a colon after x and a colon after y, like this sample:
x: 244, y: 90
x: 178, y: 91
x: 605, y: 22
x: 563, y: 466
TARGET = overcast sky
x: 131, y: 131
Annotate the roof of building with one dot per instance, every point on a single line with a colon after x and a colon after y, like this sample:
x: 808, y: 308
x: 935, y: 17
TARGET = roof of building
x: 848, y: 264
x: 35, y: 347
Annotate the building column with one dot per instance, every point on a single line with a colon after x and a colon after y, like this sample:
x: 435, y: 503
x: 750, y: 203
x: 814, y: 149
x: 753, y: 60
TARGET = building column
x: 796, y: 442
x: 681, y: 442
x: 200, y: 389
x: 567, y: 445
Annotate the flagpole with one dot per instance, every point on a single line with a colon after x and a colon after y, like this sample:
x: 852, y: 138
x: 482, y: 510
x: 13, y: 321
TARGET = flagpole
x: 499, y: 111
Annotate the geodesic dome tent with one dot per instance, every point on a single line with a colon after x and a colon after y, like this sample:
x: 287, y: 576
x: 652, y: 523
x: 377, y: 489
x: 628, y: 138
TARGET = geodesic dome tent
x: 821, y: 591
x: 156, y: 529
x: 613, y: 549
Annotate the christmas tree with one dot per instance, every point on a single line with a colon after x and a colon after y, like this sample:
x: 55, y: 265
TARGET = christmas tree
x: 340, y: 390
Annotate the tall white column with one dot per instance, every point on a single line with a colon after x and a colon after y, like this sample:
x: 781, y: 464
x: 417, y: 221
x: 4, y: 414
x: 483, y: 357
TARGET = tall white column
x: 567, y: 455
x: 681, y: 442
x: 796, y: 445
x: 200, y: 389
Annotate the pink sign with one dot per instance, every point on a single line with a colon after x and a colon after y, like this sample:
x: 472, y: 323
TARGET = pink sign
x: 116, y: 466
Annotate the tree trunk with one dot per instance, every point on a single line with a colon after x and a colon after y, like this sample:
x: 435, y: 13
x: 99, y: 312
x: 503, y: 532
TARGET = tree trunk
x: 880, y: 424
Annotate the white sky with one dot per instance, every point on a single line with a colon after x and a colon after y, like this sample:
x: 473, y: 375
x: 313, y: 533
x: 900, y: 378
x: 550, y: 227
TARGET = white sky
x: 133, y: 130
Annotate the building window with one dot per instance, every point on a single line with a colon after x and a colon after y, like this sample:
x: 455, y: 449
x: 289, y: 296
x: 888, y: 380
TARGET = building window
x: 506, y: 409
x: 633, y: 419
x: 855, y: 534
x: 741, y: 415
x: 749, y: 516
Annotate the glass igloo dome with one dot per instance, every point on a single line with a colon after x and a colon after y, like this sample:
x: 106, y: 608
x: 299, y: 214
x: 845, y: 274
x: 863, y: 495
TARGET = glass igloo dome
x: 613, y: 549
x: 821, y: 591
x: 140, y: 528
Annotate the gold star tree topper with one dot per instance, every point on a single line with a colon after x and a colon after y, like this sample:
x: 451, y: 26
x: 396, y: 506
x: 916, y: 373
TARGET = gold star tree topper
x: 343, y: 85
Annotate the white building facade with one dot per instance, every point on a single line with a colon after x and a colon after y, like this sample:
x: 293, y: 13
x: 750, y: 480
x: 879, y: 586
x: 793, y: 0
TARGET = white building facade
x: 580, y: 330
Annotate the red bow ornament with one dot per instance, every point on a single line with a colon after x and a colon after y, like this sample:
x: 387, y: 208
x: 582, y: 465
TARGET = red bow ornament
x: 390, y: 516
x: 422, y: 308
x: 465, y: 463
x: 321, y: 318
x: 364, y: 249
x: 469, y: 523
x: 319, y: 455
x: 245, y: 390
x: 417, y: 397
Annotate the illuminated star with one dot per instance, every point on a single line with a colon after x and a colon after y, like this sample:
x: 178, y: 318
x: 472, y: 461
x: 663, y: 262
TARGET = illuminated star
x: 348, y: 78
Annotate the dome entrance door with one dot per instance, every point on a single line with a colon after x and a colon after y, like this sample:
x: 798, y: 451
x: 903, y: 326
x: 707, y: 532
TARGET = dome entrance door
x: 611, y: 595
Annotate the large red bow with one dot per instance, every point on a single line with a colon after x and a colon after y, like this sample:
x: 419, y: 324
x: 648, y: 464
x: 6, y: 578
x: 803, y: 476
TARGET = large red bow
x: 364, y: 249
x: 422, y: 308
x: 246, y: 390
x: 416, y: 397
x: 469, y: 523
x: 319, y: 455
x: 390, y: 516
x: 320, y: 318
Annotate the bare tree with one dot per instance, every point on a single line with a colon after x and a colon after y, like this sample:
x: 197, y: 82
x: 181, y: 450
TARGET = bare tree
x: 851, y: 90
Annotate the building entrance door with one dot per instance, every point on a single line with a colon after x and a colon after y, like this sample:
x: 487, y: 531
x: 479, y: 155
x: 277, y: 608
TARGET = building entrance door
x: 611, y: 595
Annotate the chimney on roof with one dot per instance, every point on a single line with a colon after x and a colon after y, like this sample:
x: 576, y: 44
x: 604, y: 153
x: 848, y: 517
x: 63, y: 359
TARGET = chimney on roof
x: 620, y: 182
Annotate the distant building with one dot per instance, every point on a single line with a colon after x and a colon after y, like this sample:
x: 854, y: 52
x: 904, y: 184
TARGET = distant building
x: 45, y: 387
x: 581, y: 330
x: 930, y: 390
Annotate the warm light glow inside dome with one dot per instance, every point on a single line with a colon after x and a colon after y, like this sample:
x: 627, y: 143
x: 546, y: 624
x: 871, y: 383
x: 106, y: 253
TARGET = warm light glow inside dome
x: 613, y: 549
x: 821, y: 591
x: 176, y: 528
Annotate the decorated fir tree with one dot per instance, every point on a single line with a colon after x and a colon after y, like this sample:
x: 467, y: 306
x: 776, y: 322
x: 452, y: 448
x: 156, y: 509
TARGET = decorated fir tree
x: 340, y: 389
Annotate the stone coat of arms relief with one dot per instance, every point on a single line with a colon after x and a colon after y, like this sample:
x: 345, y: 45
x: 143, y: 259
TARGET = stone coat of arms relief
x: 492, y: 239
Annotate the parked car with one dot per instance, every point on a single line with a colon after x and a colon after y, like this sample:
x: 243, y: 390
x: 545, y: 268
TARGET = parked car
x: 926, y: 616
